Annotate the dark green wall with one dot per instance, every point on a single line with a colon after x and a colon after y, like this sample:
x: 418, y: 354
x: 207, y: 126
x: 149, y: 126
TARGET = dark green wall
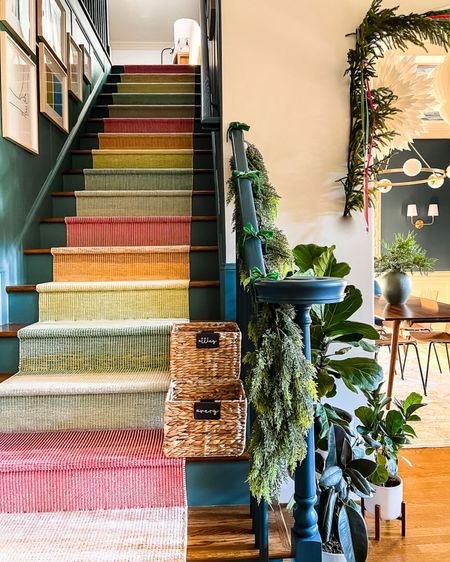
x: 435, y: 239
x: 26, y: 180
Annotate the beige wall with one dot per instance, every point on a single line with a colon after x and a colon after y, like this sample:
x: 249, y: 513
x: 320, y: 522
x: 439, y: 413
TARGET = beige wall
x: 283, y: 66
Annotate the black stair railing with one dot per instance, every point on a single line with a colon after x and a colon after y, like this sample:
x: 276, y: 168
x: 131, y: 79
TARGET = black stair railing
x: 210, y: 64
x: 97, y: 11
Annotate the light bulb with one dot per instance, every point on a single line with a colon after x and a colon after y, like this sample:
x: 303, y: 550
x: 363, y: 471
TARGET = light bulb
x: 384, y: 186
x: 412, y: 167
x: 435, y: 181
x: 447, y: 171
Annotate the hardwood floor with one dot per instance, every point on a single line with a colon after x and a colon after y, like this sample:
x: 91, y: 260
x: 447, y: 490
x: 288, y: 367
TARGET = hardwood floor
x: 224, y: 533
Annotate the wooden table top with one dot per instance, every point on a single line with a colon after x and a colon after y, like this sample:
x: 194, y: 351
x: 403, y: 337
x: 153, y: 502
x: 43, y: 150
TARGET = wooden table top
x: 416, y: 308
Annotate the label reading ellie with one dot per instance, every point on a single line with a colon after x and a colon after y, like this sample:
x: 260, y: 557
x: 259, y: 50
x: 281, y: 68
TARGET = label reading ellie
x: 208, y: 340
x: 207, y: 410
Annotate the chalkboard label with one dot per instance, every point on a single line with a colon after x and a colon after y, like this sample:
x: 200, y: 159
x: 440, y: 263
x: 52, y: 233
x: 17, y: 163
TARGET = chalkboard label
x: 208, y: 340
x: 207, y: 410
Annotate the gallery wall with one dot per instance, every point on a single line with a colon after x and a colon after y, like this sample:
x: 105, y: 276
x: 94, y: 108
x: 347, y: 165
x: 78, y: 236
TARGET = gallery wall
x: 435, y: 239
x: 27, y: 179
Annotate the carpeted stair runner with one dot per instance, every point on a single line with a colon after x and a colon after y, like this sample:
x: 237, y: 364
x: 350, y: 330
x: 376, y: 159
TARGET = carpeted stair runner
x: 155, y: 77
x: 128, y: 231
x: 144, y: 141
x: 148, y: 98
x: 160, y: 203
x: 120, y: 300
x: 96, y: 347
x: 55, y: 401
x: 158, y: 68
x: 121, y: 263
x: 135, y: 179
x: 123, y: 111
x: 185, y: 86
x: 85, y: 471
x: 143, y: 158
x: 148, y: 125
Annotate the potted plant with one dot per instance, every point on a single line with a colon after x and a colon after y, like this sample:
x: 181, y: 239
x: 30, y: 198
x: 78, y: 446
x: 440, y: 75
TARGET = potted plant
x: 342, y: 472
x: 402, y: 256
x: 385, y: 433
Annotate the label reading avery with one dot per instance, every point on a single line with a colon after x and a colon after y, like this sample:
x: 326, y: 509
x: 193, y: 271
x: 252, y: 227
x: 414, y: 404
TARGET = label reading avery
x: 207, y: 410
x: 208, y: 340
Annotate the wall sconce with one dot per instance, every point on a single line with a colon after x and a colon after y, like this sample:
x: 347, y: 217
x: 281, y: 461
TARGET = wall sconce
x: 433, y: 211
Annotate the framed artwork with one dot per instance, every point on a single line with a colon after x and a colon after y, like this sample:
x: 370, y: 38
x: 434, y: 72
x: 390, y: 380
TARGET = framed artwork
x: 51, y: 25
x: 53, y: 89
x: 87, y: 64
x: 75, y: 68
x: 19, y: 16
x: 19, y: 95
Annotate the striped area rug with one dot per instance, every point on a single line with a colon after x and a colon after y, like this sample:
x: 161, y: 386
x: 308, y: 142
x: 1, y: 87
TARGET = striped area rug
x: 133, y: 179
x: 142, y: 158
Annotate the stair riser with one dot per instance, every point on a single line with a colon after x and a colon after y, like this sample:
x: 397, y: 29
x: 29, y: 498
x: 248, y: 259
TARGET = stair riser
x: 9, y: 354
x: 53, y: 235
x: 155, y: 68
x: 148, y: 111
x: 200, y: 143
x: 202, y: 181
x: 202, y: 205
x: 112, y: 88
x: 151, y: 78
x: 98, y: 127
x: 200, y: 160
x: 24, y: 308
x: 143, y: 410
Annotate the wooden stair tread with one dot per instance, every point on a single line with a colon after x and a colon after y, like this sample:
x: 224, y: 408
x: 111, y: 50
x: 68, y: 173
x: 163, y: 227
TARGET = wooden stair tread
x: 39, y: 251
x: 10, y: 330
x: 194, y: 219
x: 222, y: 533
x: 72, y: 193
x: 4, y: 376
x: 32, y: 289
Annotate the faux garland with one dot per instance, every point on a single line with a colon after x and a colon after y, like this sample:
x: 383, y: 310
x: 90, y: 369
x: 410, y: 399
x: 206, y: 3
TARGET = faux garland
x: 280, y: 381
x: 371, y: 110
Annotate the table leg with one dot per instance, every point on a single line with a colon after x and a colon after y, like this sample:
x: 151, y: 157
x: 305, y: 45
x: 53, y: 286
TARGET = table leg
x: 394, y: 351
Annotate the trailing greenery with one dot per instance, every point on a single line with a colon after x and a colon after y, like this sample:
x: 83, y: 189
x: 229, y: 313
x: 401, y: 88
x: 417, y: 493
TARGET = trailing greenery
x: 333, y: 335
x: 386, y: 432
x: 343, y: 471
x: 280, y: 381
x: 381, y: 29
x: 404, y: 255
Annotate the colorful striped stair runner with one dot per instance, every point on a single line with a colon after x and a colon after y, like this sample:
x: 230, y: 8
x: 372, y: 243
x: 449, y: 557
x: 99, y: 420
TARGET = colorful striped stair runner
x: 81, y: 450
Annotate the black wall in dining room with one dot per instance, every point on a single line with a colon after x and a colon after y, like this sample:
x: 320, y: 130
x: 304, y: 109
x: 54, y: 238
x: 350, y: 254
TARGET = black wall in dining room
x: 436, y: 238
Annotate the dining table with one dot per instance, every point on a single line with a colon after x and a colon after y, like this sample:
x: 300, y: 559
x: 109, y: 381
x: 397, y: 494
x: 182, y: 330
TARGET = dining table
x: 415, y: 310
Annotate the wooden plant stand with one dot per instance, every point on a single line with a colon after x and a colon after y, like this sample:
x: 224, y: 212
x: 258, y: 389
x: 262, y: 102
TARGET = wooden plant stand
x: 378, y: 519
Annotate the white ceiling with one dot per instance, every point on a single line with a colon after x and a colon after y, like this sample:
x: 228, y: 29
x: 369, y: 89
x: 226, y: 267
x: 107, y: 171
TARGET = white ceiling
x: 147, y: 21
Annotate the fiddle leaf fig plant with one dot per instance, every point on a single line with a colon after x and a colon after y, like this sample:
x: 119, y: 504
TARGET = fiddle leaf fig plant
x: 386, y: 432
x: 342, y: 472
x: 333, y: 334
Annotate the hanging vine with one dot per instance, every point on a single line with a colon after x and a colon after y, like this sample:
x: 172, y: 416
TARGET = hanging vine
x: 371, y: 110
x: 280, y: 381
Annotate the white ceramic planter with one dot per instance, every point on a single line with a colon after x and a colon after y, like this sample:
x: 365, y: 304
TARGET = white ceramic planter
x: 389, y: 499
x: 329, y: 557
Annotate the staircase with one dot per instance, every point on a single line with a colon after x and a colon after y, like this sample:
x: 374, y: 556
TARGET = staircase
x: 129, y: 251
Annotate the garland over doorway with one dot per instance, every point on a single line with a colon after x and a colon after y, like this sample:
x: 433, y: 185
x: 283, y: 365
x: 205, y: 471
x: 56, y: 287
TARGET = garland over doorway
x: 371, y: 110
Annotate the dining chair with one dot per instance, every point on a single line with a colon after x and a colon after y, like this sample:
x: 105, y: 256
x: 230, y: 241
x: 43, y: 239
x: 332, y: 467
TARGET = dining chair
x: 403, y: 343
x: 433, y: 338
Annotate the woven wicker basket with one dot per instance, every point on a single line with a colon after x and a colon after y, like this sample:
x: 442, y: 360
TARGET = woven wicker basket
x: 188, y: 361
x: 186, y: 436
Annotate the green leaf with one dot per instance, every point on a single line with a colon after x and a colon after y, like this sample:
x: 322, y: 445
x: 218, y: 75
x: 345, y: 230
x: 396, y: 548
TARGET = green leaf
x: 336, y: 313
x: 305, y: 254
x: 360, y: 484
x: 331, y: 477
x: 332, y: 453
x: 414, y: 399
x: 348, y: 327
x: 325, y: 383
x: 394, y: 422
x: 324, y: 262
x: 358, y: 372
x: 327, y: 504
x: 353, y: 534
x: 367, y: 346
x: 380, y: 475
x: 408, y: 429
x: 365, y: 467
x: 366, y: 415
x: 340, y: 269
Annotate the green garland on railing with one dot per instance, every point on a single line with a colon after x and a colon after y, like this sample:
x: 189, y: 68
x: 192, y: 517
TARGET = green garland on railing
x: 280, y: 381
x: 381, y: 28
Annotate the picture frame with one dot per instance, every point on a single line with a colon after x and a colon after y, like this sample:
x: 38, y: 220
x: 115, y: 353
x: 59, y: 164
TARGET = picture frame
x: 19, y: 95
x: 75, y: 68
x: 53, y: 89
x: 19, y: 17
x: 87, y: 64
x: 51, y: 26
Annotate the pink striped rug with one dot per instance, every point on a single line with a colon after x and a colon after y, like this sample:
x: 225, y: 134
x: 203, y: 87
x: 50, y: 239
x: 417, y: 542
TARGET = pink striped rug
x: 128, y: 231
x: 148, y: 125
x: 88, y: 470
x: 159, y: 68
